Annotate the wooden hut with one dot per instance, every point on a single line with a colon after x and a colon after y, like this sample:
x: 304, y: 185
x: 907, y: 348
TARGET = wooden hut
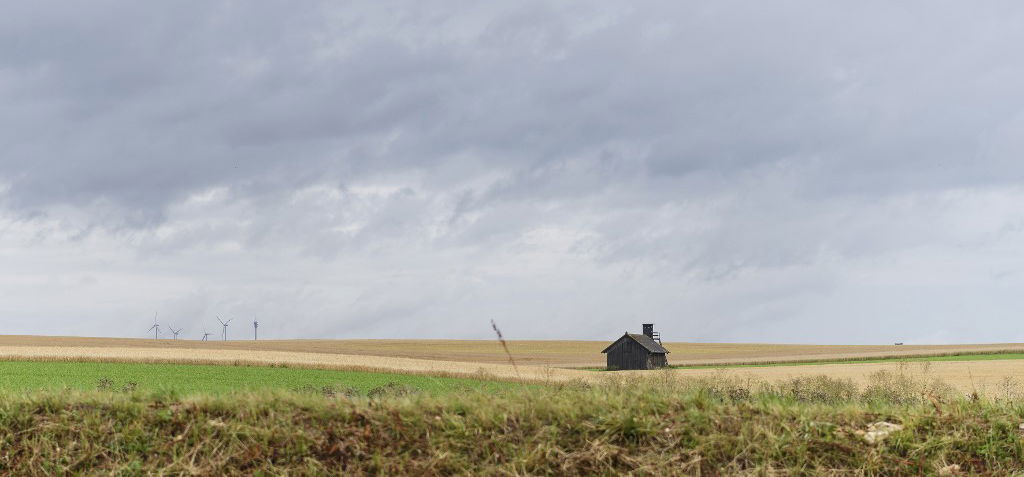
x: 637, y: 351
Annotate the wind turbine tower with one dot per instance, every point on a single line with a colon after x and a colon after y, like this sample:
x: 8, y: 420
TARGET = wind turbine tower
x: 255, y: 326
x: 155, y: 328
x: 206, y: 335
x: 175, y: 331
x: 225, y: 324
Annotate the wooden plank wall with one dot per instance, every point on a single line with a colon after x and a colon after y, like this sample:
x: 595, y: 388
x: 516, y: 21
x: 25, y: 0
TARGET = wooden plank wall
x: 628, y: 354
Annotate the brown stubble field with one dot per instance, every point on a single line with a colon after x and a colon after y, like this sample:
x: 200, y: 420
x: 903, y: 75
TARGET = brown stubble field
x: 563, y: 354
x: 551, y: 353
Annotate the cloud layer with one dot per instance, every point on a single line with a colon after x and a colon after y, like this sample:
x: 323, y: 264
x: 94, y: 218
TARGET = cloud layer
x: 799, y: 172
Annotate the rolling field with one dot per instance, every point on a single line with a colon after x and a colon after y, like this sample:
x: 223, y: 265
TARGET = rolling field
x: 67, y: 407
x: 900, y: 359
x: 564, y: 354
x: 205, y: 379
x: 486, y: 360
x: 968, y: 376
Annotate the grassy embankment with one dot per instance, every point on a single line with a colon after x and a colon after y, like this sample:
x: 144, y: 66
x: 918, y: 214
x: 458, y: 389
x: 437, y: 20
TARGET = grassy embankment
x: 711, y: 427
x: 192, y: 378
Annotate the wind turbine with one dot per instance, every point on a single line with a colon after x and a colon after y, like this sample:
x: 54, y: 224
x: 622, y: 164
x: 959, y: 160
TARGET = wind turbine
x: 175, y: 331
x: 155, y: 328
x: 206, y: 335
x: 225, y: 323
x: 255, y: 326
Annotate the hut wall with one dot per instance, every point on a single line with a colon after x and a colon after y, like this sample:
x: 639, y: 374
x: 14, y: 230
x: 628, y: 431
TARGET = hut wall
x: 628, y: 354
x: 658, y: 360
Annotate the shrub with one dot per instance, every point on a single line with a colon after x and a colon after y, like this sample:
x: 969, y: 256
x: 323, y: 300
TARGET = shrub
x: 329, y: 391
x: 902, y: 388
x: 104, y: 384
x: 819, y: 389
x: 391, y: 389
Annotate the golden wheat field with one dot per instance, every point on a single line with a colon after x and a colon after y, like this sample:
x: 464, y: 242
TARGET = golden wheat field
x: 534, y: 360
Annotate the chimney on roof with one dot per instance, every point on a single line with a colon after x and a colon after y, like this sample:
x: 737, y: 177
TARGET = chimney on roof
x: 649, y: 329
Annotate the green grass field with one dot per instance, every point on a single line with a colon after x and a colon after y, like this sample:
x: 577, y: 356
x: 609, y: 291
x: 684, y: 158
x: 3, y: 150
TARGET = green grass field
x: 903, y: 359
x: 191, y: 379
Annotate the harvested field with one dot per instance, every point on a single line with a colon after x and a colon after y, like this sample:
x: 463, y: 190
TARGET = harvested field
x: 685, y: 354
x: 965, y: 375
x: 538, y: 361
x: 541, y: 353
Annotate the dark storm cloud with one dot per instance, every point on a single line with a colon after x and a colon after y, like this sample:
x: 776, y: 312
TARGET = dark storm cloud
x: 141, y: 104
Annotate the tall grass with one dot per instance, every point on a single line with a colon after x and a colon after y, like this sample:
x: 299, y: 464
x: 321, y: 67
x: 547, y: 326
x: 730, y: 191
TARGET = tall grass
x: 712, y: 426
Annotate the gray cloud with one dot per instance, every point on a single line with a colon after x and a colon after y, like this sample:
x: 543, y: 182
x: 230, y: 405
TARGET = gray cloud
x: 733, y: 173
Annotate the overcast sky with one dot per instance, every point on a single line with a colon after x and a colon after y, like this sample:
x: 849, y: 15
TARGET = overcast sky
x: 731, y: 171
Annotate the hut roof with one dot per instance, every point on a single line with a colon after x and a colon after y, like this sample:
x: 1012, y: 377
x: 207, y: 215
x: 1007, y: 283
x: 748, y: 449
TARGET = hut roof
x: 646, y: 341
